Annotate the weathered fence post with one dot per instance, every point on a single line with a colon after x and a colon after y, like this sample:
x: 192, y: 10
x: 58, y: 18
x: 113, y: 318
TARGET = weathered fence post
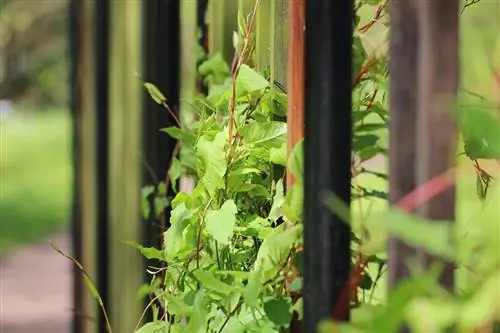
x: 125, y: 264
x: 84, y: 161
x: 436, y: 125
x: 403, y: 55
x: 222, y: 21
x: 327, y: 143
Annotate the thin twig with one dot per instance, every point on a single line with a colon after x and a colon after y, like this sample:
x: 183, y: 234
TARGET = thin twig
x: 90, y: 283
x: 150, y: 304
x: 172, y: 113
x: 241, y: 59
x: 467, y: 4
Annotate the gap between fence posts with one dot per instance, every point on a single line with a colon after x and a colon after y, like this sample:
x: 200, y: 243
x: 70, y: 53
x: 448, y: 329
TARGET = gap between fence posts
x: 160, y: 66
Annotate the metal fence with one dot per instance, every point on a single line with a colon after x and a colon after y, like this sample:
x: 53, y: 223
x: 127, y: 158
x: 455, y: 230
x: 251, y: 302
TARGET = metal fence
x: 116, y: 127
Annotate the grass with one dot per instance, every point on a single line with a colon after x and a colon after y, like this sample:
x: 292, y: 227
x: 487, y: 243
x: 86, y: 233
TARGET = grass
x: 35, y: 177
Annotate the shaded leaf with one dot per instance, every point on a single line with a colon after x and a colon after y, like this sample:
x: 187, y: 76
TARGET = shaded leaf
x: 213, y: 162
x: 249, y: 81
x: 211, y: 282
x: 154, y: 327
x: 278, y: 311
x: 220, y: 223
x: 176, y: 305
x: 147, y: 252
x: 155, y: 93
x: 278, y: 200
x: 296, y: 160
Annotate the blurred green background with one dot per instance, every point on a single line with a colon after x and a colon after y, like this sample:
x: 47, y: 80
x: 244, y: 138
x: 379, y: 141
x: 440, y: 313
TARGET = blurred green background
x: 35, y: 139
x: 35, y: 146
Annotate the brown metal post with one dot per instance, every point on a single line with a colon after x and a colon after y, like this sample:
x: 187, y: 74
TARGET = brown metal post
x: 295, y: 77
x: 436, y: 126
x: 403, y: 54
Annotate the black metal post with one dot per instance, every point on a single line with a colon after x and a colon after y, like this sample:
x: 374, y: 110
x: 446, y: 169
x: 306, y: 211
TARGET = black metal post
x: 161, y: 38
x: 327, y: 143
x: 102, y: 20
x: 75, y: 26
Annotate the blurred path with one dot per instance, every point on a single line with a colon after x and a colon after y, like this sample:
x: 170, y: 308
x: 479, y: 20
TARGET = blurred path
x: 35, y: 289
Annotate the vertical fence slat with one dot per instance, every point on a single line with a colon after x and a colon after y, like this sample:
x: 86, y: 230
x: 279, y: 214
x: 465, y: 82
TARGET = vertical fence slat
x: 222, y: 21
x: 264, y: 25
x: 279, y: 56
x: 125, y: 264
x: 436, y: 126
x: 403, y: 114
x: 328, y: 40
x: 102, y: 148
x: 295, y: 80
x: 84, y: 125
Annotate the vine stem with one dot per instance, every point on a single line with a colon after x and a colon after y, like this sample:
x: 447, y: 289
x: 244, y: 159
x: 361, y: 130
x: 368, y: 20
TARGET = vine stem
x: 231, y: 314
x: 241, y: 59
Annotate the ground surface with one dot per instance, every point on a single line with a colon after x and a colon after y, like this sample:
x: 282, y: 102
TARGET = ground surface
x: 35, y: 289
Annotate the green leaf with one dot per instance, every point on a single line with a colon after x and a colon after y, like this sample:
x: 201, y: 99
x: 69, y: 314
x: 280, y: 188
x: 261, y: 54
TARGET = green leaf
x: 483, y: 307
x: 146, y: 191
x: 198, y: 320
x: 296, y: 160
x: 176, y: 305
x: 480, y: 188
x: 436, y: 237
x: 366, y: 282
x: 278, y: 200
x: 155, y: 93
x: 211, y: 282
x: 439, y: 314
x: 186, y: 137
x: 296, y: 285
x: 175, y: 173
x: 270, y: 134
x: 249, y: 81
x: 370, y: 127
x: 160, y: 203
x: 220, y: 223
x: 364, y: 141
x: 359, y: 56
x: 274, y: 250
x: 216, y: 68
x: 297, y: 307
x: 292, y: 208
x: 278, y: 155
x: 174, y: 240
x: 147, y: 252
x: 253, y: 288
x: 278, y: 311
x: 213, y: 162
x: 154, y: 327
x: 480, y: 127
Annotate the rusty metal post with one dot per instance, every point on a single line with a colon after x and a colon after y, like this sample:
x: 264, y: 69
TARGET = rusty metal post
x: 295, y: 85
